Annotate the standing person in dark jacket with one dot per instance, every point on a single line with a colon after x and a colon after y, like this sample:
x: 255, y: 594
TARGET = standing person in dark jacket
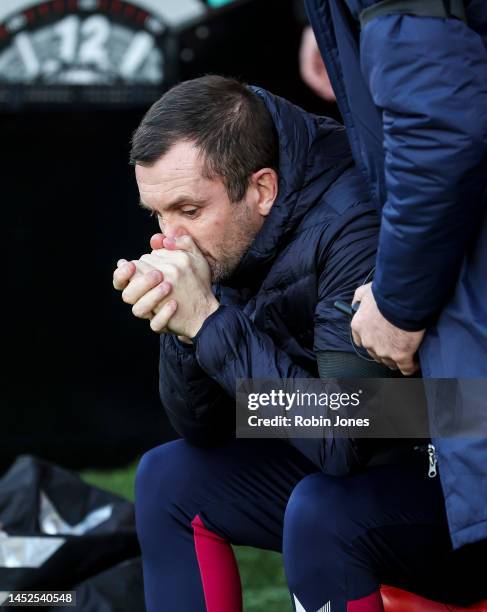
x: 262, y: 200
x: 410, y: 78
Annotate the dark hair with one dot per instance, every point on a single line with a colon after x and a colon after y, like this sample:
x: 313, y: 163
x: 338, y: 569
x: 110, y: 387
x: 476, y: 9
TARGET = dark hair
x: 227, y: 121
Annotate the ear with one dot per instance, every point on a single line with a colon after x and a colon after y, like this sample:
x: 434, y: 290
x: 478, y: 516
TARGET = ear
x: 265, y: 183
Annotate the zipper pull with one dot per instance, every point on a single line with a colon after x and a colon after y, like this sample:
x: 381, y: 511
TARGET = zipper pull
x: 432, y: 471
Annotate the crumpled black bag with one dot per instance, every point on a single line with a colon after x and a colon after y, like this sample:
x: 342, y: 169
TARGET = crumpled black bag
x: 118, y: 589
x: 57, y: 532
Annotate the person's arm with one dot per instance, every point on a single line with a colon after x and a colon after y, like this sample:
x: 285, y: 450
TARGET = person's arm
x: 348, y: 263
x: 429, y: 78
x: 230, y: 346
x: 197, y: 407
x: 197, y: 382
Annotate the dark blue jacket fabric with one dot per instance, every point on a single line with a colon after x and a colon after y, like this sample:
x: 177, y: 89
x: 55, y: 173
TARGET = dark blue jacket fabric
x: 413, y: 94
x: 316, y: 246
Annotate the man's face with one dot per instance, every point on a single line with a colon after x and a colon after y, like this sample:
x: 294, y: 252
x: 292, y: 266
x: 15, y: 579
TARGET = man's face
x: 186, y: 203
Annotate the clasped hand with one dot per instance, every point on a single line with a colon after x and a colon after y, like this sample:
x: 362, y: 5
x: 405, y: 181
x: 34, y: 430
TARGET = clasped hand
x: 170, y: 287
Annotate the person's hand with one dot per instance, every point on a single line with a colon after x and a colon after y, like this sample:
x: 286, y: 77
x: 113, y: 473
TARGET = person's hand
x: 384, y: 342
x: 144, y: 287
x: 187, y: 271
x: 311, y: 66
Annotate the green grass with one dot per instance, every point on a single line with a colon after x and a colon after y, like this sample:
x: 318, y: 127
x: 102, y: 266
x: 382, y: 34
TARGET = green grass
x: 262, y: 573
x: 119, y: 481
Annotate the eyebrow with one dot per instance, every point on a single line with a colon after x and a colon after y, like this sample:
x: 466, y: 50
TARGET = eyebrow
x: 181, y: 201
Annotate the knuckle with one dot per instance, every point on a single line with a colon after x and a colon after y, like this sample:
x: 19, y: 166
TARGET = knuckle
x: 185, y: 260
x: 159, y: 294
x: 137, y: 310
x: 118, y: 278
x: 401, y: 357
x: 151, y: 279
x: 173, y: 271
x: 366, y: 341
x: 155, y: 326
x: 126, y: 297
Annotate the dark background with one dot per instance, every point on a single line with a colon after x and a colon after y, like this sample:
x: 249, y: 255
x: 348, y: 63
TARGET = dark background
x: 79, y: 371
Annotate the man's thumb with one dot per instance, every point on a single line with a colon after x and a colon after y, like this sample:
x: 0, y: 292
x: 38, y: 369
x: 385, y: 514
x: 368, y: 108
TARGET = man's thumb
x: 182, y: 243
x: 157, y: 242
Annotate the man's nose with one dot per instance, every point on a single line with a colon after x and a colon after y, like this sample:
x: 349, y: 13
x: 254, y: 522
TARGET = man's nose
x: 173, y: 228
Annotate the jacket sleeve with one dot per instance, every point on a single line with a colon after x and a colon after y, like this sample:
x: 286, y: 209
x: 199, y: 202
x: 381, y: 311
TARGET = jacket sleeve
x: 229, y: 346
x: 429, y: 78
x: 345, y: 262
x: 197, y: 407
x: 197, y: 385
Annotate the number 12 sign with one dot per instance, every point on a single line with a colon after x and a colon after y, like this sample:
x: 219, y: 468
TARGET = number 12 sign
x: 82, y: 43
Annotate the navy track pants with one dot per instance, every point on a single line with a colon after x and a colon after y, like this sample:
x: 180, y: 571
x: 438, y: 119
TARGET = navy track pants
x: 341, y: 536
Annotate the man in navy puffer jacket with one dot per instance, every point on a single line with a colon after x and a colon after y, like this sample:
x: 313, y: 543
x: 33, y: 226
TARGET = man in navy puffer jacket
x: 274, y: 310
x: 265, y: 224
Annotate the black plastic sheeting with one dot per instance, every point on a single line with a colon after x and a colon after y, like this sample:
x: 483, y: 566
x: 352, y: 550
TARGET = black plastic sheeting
x: 59, y: 533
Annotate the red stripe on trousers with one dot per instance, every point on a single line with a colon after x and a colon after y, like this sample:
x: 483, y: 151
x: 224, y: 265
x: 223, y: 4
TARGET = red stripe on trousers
x: 218, y: 569
x: 371, y: 603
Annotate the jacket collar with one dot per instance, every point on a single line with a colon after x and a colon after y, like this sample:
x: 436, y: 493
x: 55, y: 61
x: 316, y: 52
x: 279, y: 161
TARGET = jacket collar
x: 313, y: 152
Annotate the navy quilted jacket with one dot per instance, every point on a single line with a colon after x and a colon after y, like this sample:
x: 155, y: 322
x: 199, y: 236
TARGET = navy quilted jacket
x: 317, y: 245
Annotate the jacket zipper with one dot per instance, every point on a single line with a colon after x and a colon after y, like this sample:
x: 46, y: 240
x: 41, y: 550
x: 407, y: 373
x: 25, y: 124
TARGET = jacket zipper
x: 432, y: 459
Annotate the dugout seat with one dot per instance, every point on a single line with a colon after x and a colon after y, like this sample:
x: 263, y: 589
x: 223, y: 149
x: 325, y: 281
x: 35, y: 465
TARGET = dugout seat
x: 397, y: 600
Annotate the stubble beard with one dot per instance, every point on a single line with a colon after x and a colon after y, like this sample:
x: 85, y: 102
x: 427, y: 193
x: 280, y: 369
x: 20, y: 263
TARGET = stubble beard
x: 233, y: 249
x: 222, y: 270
